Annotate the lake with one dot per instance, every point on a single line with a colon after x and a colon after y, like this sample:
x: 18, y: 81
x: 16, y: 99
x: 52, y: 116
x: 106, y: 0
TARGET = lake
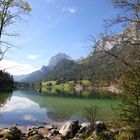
x: 27, y: 107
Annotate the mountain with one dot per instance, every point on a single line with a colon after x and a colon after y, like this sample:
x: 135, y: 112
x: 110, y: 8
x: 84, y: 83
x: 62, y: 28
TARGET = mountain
x: 18, y: 78
x: 61, y: 70
x: 36, y: 76
x: 57, y: 58
x: 42, y: 73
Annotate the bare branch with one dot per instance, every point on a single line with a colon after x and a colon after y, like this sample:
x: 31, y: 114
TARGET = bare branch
x: 3, y: 53
x: 10, y: 12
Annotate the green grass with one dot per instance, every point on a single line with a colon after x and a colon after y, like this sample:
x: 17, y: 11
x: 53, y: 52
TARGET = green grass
x: 71, y: 82
x: 64, y: 87
x: 86, y: 82
x: 52, y: 82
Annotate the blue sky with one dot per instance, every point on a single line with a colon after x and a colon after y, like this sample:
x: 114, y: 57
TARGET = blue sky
x: 56, y: 26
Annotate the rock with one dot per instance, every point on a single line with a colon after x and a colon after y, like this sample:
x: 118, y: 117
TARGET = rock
x: 56, y: 137
x: 44, y: 132
x: 103, y: 135
x: 69, y: 129
x: 99, y: 126
x: 115, y: 131
x: 1, y: 136
x: 85, y: 124
x: 53, y: 132
x: 79, y: 136
x: 35, y: 137
x: 12, y: 133
x: 32, y: 132
x: 4, y: 131
x: 84, y: 127
x: 83, y: 132
x: 49, y: 127
x: 40, y: 127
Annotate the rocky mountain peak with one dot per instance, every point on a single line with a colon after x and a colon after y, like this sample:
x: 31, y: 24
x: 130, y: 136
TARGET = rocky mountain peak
x: 57, y: 58
x: 44, y: 68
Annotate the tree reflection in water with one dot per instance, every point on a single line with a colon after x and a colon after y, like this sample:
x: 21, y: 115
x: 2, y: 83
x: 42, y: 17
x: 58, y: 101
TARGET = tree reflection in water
x: 4, y: 97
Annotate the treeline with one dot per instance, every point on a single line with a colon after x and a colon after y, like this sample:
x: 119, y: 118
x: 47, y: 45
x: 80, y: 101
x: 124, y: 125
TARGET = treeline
x: 6, y: 81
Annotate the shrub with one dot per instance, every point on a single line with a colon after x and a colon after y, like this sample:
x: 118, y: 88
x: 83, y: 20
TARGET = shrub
x: 90, y: 114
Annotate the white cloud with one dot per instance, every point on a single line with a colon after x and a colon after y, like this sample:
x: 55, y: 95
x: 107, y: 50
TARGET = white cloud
x: 69, y: 9
x: 16, y: 68
x: 33, y: 56
x: 49, y: 17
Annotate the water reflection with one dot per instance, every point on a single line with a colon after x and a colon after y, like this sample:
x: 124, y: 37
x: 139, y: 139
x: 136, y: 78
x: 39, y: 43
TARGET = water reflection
x: 79, y: 94
x: 63, y: 106
x: 26, y: 107
x: 21, y: 110
x: 18, y: 104
x: 4, y: 97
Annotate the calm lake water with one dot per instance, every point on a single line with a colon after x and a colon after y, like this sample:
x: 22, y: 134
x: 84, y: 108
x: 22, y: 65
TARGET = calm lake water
x: 27, y: 107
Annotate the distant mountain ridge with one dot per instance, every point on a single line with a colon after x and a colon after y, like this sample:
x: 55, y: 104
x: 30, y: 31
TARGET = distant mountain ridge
x: 19, y: 77
x: 38, y: 75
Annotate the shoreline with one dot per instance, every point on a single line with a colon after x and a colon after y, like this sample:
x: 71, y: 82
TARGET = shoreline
x: 24, y: 127
x: 73, y: 130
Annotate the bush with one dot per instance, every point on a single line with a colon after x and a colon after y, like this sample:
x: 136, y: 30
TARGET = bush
x: 90, y: 114
x: 49, y: 84
x: 127, y: 134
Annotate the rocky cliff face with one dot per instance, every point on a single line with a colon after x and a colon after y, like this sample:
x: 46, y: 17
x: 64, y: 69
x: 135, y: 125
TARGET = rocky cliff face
x: 57, y: 58
x: 129, y: 34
